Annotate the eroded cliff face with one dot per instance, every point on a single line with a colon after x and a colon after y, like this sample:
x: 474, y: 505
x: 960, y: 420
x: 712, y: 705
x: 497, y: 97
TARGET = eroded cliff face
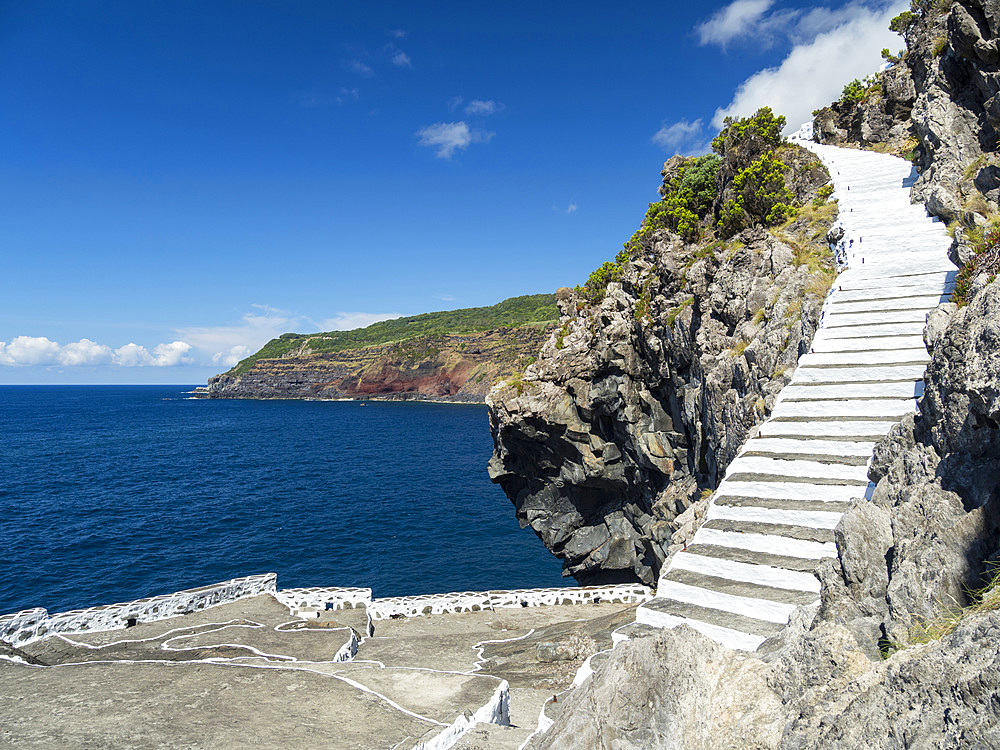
x: 903, y: 649
x: 637, y: 404
x: 454, y: 367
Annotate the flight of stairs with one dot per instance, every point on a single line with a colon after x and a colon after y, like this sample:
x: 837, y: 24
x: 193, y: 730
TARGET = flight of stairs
x: 771, y: 520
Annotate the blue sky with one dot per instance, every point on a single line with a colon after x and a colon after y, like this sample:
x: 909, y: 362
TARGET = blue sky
x: 182, y: 181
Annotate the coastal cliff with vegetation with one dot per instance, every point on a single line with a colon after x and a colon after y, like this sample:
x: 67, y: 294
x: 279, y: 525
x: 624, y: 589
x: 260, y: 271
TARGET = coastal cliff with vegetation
x: 666, y: 359
x: 450, y: 356
x: 902, y: 649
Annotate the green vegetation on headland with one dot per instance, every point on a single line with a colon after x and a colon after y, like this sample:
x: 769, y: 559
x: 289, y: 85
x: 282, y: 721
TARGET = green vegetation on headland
x: 715, y: 196
x: 511, y: 313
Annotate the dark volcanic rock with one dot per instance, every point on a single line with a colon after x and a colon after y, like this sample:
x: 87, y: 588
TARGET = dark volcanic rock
x: 637, y: 404
x: 889, y: 661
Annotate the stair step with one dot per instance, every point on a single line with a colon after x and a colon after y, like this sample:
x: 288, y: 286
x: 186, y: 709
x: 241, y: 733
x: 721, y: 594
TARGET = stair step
x: 859, y: 429
x: 734, y: 639
x: 882, y: 329
x: 836, y: 318
x: 825, y: 458
x: 911, y: 357
x: 673, y: 609
x: 871, y: 344
x: 798, y: 468
x: 786, y: 531
x: 812, y: 444
x: 805, y: 491
x: 804, y: 391
x: 754, y: 557
x: 765, y: 575
x: 740, y: 588
x: 776, y: 544
x: 853, y: 408
x: 782, y: 478
x: 779, y: 503
x: 858, y: 373
x: 810, y: 519
x: 863, y: 301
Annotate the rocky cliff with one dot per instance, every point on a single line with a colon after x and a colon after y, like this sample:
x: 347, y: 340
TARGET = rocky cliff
x: 453, y: 356
x: 641, y: 398
x: 902, y: 651
x: 451, y: 367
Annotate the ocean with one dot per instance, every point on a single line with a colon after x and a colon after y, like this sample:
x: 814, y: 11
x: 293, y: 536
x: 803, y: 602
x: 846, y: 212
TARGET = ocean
x: 111, y: 493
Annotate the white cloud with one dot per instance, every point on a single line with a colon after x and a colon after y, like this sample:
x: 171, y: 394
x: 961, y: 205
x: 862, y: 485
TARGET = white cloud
x: 738, y: 19
x: 348, y: 321
x: 232, y: 355
x: 401, y: 60
x: 132, y: 355
x: 172, y: 354
x: 672, y: 137
x: 164, y: 355
x: 454, y: 103
x: 356, y: 66
x: 219, y: 345
x: 480, y: 107
x: 39, y: 350
x: 448, y: 137
x: 227, y: 345
x: 396, y: 33
x: 85, y: 352
x: 571, y: 208
x: 29, y: 350
x: 814, y: 72
x: 760, y: 23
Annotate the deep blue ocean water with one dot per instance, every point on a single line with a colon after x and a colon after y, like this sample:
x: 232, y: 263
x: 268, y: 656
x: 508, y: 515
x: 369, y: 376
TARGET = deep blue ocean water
x: 111, y: 493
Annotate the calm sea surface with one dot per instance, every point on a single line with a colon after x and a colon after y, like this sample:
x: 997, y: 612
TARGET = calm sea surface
x: 110, y: 493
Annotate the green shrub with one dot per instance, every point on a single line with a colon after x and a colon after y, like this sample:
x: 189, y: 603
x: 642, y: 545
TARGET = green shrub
x: 561, y: 336
x: 759, y: 132
x: 986, y: 259
x: 859, y: 90
x: 760, y: 196
x: 823, y: 195
x: 903, y: 22
x: 672, y: 315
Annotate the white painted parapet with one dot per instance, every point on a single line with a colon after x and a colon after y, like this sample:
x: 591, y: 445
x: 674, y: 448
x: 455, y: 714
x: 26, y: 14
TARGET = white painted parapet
x: 30, y: 625
x: 317, y: 598
x: 477, y: 601
x: 496, y: 711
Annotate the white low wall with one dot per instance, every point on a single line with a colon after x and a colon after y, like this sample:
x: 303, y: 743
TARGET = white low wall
x: 317, y: 598
x: 476, y: 601
x: 30, y: 625
x: 497, y: 711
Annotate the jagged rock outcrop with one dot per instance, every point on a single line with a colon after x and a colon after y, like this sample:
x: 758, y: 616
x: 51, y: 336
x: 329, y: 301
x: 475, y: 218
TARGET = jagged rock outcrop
x: 891, y: 659
x: 451, y: 367
x: 937, y: 502
x: 881, y: 118
x: 638, y: 403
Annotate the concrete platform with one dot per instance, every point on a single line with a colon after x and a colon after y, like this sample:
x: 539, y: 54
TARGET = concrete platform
x: 249, y: 674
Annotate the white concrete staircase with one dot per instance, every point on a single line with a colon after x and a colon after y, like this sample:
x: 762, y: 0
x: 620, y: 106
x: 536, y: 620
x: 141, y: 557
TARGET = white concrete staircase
x: 771, y: 520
